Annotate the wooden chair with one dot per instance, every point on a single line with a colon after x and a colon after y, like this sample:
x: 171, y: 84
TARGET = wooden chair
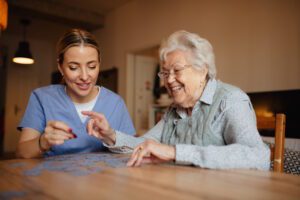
x: 276, y: 124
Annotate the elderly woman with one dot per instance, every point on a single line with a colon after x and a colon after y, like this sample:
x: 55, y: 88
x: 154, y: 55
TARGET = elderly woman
x: 210, y: 124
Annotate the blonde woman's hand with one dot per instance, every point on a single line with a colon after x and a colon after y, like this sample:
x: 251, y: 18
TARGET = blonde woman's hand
x: 99, y: 127
x: 56, y: 132
x: 151, y: 151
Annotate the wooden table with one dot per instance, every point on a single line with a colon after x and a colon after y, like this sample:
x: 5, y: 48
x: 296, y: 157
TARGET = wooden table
x: 105, y: 176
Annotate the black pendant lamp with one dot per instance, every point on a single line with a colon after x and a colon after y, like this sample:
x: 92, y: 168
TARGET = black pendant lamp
x: 23, y: 54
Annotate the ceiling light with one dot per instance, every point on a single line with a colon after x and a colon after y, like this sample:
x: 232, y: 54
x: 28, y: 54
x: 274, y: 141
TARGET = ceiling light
x: 23, y: 54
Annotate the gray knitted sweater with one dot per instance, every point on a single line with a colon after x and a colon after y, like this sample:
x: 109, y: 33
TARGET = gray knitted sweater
x: 221, y: 133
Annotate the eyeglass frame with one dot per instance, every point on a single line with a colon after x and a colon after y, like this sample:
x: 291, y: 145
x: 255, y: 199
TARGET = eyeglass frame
x: 166, y: 74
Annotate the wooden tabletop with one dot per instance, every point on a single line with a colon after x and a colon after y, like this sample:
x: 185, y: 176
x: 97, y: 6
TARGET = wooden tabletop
x: 105, y: 176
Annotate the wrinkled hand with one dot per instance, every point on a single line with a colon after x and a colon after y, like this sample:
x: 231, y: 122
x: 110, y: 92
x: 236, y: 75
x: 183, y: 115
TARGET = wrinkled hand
x: 151, y: 151
x: 99, y: 127
x: 56, y: 132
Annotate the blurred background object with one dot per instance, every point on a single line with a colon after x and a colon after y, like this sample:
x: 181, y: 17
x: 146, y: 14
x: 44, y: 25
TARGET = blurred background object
x: 3, y: 15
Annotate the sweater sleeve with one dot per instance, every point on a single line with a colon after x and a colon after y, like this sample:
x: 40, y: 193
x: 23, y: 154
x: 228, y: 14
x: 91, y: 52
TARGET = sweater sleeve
x: 126, y: 143
x: 244, y: 147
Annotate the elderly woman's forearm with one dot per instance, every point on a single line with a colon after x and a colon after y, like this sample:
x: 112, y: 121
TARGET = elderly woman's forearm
x: 224, y: 157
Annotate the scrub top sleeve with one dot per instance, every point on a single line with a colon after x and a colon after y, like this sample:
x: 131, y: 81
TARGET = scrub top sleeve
x: 125, y: 122
x: 34, y: 116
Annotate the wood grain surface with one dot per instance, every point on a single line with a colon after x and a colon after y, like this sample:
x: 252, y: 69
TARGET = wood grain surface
x: 113, y: 180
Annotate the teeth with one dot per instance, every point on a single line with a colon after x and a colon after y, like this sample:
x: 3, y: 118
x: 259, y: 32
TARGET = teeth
x: 85, y: 85
x: 174, y: 89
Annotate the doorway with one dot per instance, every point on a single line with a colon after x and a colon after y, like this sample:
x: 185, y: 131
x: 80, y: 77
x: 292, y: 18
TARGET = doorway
x: 142, y: 68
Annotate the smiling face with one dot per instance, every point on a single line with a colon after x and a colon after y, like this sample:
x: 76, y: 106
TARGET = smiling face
x: 80, y: 69
x: 187, y: 85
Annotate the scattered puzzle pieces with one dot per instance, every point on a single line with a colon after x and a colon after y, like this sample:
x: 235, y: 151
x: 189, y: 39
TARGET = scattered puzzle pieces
x: 12, y: 194
x: 76, y: 164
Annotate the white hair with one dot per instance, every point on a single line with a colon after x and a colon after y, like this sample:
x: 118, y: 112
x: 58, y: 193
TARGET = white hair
x: 200, y: 50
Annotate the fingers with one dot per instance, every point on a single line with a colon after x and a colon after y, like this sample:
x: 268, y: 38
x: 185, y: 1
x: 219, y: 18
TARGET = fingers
x: 60, y: 135
x: 89, y: 126
x: 59, y: 125
x: 93, y: 128
x: 138, y: 154
x: 54, y: 139
x: 93, y: 114
x: 151, y: 159
x: 151, y: 151
x: 57, y: 132
x: 141, y: 155
x: 97, y: 125
x: 134, y: 157
x: 95, y: 121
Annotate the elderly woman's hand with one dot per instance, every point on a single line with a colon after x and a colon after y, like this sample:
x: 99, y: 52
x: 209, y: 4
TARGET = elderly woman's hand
x: 99, y: 127
x: 151, y: 151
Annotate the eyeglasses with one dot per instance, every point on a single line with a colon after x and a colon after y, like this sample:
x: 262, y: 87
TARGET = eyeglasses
x: 176, y: 70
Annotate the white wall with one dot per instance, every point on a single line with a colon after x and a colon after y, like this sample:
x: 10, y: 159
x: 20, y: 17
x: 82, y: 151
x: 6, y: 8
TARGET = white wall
x: 256, y: 42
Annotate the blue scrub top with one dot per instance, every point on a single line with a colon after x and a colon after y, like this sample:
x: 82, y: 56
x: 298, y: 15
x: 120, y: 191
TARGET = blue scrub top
x: 53, y: 103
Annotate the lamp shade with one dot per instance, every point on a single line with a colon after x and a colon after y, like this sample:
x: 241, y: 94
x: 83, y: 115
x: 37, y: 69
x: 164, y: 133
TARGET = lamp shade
x: 3, y: 14
x: 23, y: 54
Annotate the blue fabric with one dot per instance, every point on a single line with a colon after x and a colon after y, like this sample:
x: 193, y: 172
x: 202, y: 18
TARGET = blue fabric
x: 52, y: 103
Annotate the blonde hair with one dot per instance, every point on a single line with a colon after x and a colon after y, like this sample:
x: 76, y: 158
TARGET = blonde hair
x: 75, y: 37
